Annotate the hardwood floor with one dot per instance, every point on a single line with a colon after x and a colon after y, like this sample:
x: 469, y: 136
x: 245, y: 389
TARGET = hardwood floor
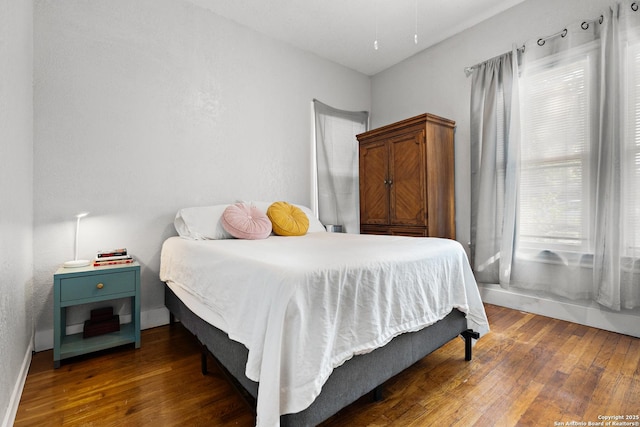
x: 528, y: 371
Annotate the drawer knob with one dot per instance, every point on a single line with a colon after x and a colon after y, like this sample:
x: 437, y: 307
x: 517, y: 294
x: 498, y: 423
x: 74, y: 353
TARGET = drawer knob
x: 100, y: 285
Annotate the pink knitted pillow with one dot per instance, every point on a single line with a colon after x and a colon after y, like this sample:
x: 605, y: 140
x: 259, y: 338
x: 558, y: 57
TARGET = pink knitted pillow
x: 246, y: 222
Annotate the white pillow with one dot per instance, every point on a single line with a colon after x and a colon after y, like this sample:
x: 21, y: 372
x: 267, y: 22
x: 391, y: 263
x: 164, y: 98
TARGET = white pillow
x: 314, y: 223
x: 205, y: 222
x: 201, y: 223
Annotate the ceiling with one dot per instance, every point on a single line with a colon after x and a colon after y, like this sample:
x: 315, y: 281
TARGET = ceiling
x: 344, y: 31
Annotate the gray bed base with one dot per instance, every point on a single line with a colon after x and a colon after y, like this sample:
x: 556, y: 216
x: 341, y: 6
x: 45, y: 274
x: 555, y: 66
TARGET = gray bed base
x: 355, y: 378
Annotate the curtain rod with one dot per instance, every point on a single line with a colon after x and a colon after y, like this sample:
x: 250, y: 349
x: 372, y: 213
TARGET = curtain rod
x: 542, y: 40
x: 469, y: 70
x: 585, y: 26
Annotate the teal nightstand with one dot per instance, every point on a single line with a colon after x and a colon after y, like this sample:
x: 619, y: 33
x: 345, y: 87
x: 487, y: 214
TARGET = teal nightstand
x: 76, y: 286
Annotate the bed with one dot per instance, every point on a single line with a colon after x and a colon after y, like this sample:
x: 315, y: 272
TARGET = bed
x: 309, y: 324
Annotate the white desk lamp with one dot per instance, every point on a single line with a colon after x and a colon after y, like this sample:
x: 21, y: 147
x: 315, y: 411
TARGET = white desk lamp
x: 77, y: 262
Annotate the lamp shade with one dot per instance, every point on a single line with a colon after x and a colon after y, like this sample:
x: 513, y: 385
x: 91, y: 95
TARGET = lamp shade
x: 77, y: 262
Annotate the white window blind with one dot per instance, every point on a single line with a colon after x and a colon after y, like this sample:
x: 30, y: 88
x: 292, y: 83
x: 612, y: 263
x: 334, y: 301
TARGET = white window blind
x: 554, y: 210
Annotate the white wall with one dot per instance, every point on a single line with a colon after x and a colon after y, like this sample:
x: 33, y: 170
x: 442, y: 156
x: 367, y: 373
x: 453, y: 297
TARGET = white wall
x: 145, y: 107
x: 434, y: 81
x: 16, y: 200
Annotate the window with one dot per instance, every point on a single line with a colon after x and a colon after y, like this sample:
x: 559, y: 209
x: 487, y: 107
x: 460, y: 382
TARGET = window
x: 554, y: 194
x: 336, y: 165
x: 557, y: 186
x: 631, y: 155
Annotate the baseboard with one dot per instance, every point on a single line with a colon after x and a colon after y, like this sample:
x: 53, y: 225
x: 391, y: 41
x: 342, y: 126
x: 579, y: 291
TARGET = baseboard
x: 154, y: 318
x: 590, y: 315
x: 14, y: 402
x: 148, y: 319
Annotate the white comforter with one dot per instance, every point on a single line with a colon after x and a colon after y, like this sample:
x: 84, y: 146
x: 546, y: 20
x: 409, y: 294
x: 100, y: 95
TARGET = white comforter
x: 305, y: 305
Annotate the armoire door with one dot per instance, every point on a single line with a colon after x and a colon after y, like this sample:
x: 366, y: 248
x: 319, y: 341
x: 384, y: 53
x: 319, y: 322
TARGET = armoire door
x: 407, y: 180
x: 374, y: 196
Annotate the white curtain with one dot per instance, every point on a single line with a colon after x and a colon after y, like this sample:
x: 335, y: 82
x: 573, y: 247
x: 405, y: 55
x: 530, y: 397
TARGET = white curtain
x: 577, y: 223
x: 494, y: 158
x: 337, y: 165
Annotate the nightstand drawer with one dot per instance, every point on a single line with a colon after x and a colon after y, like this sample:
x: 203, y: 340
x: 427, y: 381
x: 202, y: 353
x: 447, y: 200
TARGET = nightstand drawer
x: 97, y: 285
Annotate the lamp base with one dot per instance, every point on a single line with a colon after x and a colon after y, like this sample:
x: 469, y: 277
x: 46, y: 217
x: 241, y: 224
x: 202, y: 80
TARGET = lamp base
x: 76, y: 263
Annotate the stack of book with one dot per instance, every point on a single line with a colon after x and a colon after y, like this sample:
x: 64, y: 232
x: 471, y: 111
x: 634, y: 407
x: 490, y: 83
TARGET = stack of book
x: 112, y: 257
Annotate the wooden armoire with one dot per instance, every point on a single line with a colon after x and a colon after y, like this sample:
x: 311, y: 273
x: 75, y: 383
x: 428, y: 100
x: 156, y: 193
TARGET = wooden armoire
x: 407, y: 178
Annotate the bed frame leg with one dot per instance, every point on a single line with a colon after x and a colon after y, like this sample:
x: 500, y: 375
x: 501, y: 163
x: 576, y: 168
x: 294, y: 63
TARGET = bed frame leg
x: 468, y: 335
x: 246, y: 396
x: 377, y: 394
x: 203, y: 360
x: 172, y: 319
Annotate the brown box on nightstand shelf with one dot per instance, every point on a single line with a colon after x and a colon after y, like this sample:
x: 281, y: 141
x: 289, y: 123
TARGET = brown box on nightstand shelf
x: 102, y: 321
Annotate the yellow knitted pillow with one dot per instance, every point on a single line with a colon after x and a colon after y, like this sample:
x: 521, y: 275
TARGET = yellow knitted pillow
x: 287, y: 219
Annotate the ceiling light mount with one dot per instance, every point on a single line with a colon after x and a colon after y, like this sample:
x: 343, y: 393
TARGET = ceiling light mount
x: 415, y: 32
x: 376, y: 43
